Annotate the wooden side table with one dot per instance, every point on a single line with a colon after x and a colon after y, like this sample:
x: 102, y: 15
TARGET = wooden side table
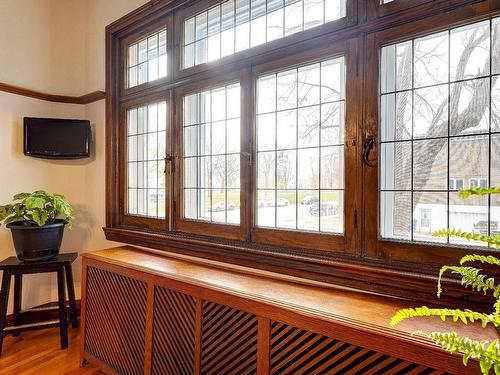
x: 14, y: 267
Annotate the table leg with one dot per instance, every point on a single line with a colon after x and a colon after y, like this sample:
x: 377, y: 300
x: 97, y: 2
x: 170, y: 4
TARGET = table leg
x: 18, y: 287
x: 71, y: 295
x: 63, y: 322
x: 4, y: 300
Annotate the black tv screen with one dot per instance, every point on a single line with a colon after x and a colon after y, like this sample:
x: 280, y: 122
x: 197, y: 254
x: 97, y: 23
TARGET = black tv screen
x: 56, y: 138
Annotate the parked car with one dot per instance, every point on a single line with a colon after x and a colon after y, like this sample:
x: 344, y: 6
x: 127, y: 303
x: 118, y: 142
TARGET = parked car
x: 324, y: 209
x: 481, y: 227
x: 221, y: 206
x: 309, y: 199
x: 280, y: 202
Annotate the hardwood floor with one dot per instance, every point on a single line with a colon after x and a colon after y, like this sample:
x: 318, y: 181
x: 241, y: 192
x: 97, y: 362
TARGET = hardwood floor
x: 38, y: 353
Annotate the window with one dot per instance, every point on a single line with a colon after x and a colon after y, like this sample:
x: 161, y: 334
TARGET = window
x: 147, y: 59
x: 300, y: 152
x: 146, y: 145
x: 306, y: 136
x: 456, y: 183
x: 478, y: 182
x: 439, y: 117
x: 199, y: 175
x: 236, y: 25
x: 211, y: 153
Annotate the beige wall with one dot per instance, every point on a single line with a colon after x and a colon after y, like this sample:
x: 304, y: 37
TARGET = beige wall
x: 55, y: 46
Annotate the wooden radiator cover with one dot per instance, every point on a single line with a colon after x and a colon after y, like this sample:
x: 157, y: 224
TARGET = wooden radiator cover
x: 174, y: 330
x: 228, y: 340
x: 115, y: 328
x: 147, y: 314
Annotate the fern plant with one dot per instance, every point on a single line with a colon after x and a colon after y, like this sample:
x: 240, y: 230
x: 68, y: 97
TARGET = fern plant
x: 486, y: 352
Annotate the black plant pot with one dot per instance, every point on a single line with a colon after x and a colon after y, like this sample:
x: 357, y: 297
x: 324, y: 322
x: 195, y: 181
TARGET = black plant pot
x: 34, y: 243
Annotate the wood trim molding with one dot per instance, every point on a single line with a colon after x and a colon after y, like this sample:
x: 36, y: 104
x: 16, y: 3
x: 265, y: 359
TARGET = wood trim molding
x: 411, y: 281
x: 84, y: 99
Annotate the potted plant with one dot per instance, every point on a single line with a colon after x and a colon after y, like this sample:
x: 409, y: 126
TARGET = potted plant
x: 486, y: 352
x: 37, y: 222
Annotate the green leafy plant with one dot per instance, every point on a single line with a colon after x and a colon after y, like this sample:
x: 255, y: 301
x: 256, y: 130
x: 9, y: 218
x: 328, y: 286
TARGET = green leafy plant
x: 39, y: 208
x: 486, y: 352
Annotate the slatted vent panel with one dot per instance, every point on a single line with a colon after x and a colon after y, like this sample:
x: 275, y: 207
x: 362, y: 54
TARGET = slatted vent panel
x: 296, y: 351
x: 229, y: 341
x: 173, y: 333
x: 116, y: 320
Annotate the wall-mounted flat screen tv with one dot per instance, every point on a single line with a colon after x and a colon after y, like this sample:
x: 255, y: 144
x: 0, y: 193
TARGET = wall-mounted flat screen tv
x: 56, y: 138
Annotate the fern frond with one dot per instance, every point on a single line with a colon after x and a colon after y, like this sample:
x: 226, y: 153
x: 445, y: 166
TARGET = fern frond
x: 470, y: 277
x: 489, y: 259
x: 496, y: 305
x: 493, y: 241
x: 486, y: 352
x: 455, y: 314
x: 466, y: 193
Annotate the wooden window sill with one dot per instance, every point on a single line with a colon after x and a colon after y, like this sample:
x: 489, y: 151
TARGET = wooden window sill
x: 412, y: 281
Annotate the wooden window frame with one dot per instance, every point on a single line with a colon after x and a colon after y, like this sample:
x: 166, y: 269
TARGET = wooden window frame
x: 399, y: 269
x: 228, y: 231
x: 375, y: 246
x: 330, y: 242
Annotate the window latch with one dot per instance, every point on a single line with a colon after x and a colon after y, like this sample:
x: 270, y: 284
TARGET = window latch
x: 367, y: 148
x: 168, y: 159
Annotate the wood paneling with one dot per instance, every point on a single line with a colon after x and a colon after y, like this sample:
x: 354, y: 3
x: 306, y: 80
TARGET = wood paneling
x: 115, y: 324
x: 84, y: 99
x: 250, y: 324
x: 173, y: 333
x: 228, y: 340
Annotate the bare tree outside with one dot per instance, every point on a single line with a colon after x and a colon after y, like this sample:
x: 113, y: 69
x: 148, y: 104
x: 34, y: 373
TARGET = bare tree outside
x: 300, y: 130
x: 211, y: 164
x: 435, y: 128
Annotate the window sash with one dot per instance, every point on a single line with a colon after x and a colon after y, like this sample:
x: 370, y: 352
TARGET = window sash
x: 299, y: 195
x: 211, y: 164
x: 230, y: 26
x: 156, y: 25
x: 183, y: 223
x: 251, y: 54
x: 146, y: 160
x: 346, y: 242
x: 137, y: 219
x: 376, y: 246
x: 147, y: 59
x: 417, y: 160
